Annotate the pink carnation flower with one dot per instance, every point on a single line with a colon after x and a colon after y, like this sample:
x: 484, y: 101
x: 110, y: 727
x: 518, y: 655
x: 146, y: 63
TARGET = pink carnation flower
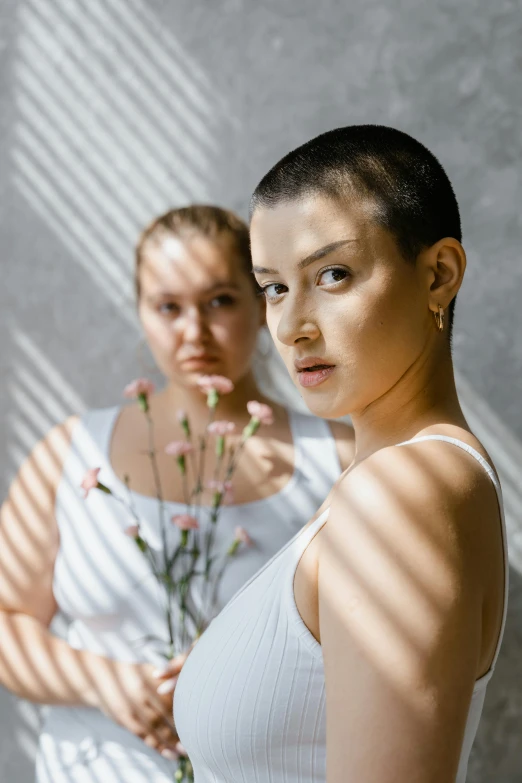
x: 90, y: 480
x: 261, y: 412
x: 224, y: 488
x: 178, y: 448
x: 132, y: 531
x: 218, y: 383
x: 242, y: 536
x: 181, y: 416
x: 185, y: 522
x: 141, y: 386
x: 221, y: 428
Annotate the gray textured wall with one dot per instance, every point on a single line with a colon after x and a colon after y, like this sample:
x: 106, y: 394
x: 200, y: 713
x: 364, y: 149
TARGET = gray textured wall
x: 112, y: 110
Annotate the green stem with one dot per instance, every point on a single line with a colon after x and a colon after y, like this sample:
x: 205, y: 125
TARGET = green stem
x: 208, y: 602
x: 183, y: 588
x: 219, y: 462
x: 201, y: 466
x: 192, y: 453
x: 161, y: 502
x: 212, y: 605
x: 186, y: 493
x: 234, y: 456
x: 129, y: 505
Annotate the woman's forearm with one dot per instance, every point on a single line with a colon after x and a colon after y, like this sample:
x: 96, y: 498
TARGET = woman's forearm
x: 39, y: 666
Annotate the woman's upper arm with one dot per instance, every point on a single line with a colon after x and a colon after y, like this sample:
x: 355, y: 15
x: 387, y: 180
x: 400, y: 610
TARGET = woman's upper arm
x: 400, y: 623
x: 344, y: 437
x: 29, y: 537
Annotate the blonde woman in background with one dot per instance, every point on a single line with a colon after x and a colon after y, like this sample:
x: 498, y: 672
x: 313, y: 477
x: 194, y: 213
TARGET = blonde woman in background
x: 201, y: 314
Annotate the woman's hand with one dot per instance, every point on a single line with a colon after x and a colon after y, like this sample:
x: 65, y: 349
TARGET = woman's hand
x: 132, y: 695
x: 168, y: 677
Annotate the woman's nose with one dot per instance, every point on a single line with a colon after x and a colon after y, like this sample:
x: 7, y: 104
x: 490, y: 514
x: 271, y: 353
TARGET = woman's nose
x: 193, y: 325
x: 295, y: 324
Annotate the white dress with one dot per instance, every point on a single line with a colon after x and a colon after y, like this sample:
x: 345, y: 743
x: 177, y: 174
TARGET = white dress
x: 104, y: 586
x: 250, y: 701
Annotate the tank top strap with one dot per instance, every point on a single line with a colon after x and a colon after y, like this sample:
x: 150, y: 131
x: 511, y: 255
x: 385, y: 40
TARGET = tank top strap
x: 97, y: 425
x: 90, y: 443
x: 496, y: 483
x: 305, y: 537
x: 315, y: 451
x: 465, y: 447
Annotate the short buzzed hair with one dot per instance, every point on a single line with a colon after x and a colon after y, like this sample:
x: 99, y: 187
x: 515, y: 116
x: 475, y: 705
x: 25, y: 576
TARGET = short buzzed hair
x: 412, y: 193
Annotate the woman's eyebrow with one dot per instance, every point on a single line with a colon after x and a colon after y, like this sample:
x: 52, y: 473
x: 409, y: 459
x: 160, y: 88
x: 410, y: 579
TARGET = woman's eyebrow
x: 222, y: 284
x: 322, y: 252
x: 166, y: 294
x: 315, y: 256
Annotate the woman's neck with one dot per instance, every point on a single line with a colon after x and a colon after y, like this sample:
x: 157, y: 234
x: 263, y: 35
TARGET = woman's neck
x: 424, y: 397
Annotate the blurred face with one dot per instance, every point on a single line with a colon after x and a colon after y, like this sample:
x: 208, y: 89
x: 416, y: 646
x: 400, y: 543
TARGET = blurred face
x: 347, y: 313
x: 198, y: 308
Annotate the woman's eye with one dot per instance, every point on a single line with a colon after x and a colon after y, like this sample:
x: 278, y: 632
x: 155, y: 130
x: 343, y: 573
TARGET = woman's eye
x: 273, y: 290
x: 331, y: 276
x: 224, y: 300
x: 169, y: 308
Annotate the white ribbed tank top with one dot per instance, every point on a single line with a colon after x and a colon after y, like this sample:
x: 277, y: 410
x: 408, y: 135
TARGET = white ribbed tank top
x: 250, y: 701
x: 105, y: 588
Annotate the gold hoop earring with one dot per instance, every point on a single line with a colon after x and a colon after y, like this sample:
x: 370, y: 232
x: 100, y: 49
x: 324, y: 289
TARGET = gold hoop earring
x: 439, y: 318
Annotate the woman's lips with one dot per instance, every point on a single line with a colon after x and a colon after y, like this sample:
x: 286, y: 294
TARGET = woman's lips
x: 313, y: 376
x: 198, y: 362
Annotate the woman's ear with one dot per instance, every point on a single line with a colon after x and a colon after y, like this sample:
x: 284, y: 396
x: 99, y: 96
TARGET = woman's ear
x: 445, y: 262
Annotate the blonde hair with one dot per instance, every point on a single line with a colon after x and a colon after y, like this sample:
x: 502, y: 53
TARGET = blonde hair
x: 206, y: 220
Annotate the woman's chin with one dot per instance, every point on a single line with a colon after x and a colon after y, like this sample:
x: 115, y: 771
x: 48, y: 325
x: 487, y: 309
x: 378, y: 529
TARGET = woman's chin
x: 323, y: 405
x: 327, y: 402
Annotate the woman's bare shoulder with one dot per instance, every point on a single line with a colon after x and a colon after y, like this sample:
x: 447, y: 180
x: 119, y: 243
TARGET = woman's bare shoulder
x: 425, y: 501
x: 29, y: 537
x: 52, y: 450
x: 41, y: 471
x: 420, y: 474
